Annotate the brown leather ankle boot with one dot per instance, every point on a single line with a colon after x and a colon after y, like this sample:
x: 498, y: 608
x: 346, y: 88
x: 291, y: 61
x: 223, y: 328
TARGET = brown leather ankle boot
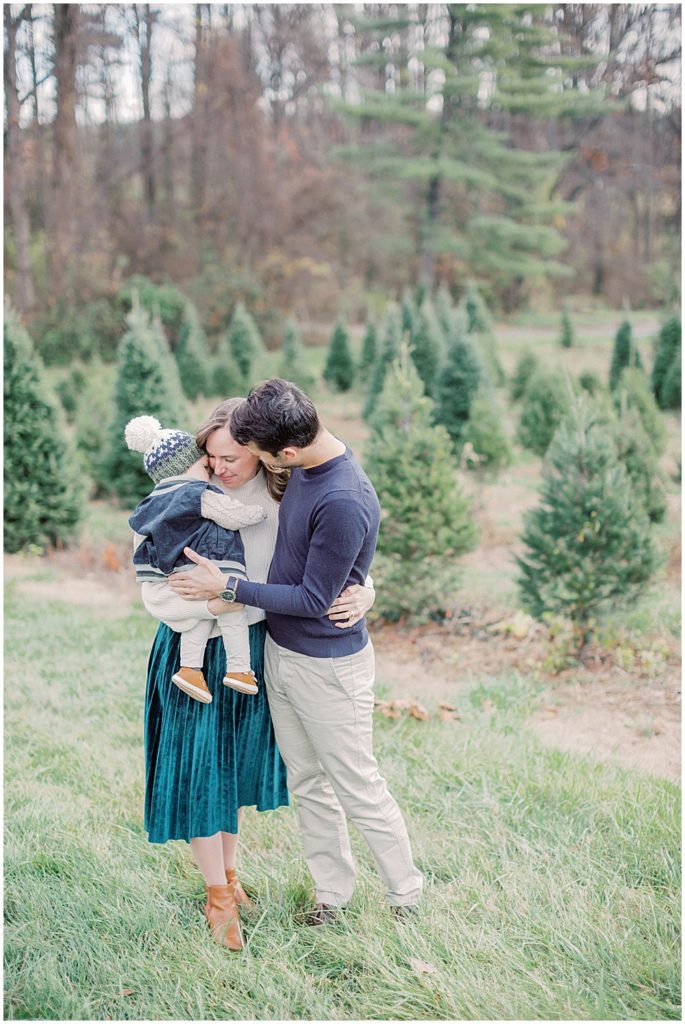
x: 222, y: 914
x: 241, y: 897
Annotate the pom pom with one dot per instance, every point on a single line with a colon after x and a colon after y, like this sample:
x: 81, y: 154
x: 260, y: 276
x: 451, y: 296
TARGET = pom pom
x: 142, y: 432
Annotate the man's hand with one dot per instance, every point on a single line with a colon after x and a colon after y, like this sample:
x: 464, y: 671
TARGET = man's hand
x: 200, y: 584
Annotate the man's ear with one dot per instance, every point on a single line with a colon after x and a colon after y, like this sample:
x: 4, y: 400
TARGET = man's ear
x: 290, y: 454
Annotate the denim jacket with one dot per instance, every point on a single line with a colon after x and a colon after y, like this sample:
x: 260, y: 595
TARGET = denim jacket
x: 170, y: 519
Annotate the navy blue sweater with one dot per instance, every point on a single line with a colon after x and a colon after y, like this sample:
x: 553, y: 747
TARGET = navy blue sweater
x: 327, y: 532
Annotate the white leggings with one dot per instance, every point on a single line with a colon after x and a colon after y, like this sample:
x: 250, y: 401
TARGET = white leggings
x: 195, y: 623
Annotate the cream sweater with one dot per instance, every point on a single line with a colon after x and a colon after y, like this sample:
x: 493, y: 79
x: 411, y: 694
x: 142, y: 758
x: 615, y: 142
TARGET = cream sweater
x: 259, y: 542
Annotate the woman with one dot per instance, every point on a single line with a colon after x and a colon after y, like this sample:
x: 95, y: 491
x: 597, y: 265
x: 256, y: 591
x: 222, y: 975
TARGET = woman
x: 205, y: 762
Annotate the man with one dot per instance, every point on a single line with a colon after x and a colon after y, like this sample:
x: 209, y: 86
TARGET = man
x: 319, y: 678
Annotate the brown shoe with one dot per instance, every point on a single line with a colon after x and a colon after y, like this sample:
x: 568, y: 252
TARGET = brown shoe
x: 243, y: 682
x: 324, y: 914
x: 193, y: 683
x: 241, y: 897
x: 221, y: 912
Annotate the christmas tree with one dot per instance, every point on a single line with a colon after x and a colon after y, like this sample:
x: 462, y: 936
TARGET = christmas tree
x: 368, y: 356
x: 226, y: 379
x: 426, y: 521
x: 339, y: 369
x: 526, y: 366
x: 457, y: 383
x: 625, y: 354
x: 545, y: 402
x: 388, y: 352
x: 427, y: 346
x: 244, y: 340
x: 479, y: 327
x: 665, y: 381
x: 566, y: 336
x: 192, y: 356
x: 588, y: 543
x: 147, y: 384
x: 633, y: 395
x: 293, y: 364
x: 42, y: 492
x: 484, y: 432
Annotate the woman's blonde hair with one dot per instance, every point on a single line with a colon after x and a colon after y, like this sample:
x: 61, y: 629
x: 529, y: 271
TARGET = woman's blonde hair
x: 221, y: 417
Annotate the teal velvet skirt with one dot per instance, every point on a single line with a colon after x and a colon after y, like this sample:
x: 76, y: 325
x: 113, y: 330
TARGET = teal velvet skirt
x: 204, y: 761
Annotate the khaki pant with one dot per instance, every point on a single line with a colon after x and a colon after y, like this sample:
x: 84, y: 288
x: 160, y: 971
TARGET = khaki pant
x: 322, y: 710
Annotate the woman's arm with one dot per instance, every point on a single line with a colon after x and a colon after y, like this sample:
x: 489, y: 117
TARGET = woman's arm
x: 353, y: 604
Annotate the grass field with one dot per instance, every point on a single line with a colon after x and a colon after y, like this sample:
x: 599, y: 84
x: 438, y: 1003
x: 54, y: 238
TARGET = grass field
x: 552, y: 881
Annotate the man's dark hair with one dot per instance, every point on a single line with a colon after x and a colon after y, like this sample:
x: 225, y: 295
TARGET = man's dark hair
x: 274, y: 416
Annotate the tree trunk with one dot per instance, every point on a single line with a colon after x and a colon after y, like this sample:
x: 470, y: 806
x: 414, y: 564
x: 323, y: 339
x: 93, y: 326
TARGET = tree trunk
x: 146, y: 140
x: 24, y: 295
x: 64, y: 191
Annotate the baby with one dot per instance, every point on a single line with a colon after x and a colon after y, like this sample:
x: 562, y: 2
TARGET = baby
x: 185, y: 510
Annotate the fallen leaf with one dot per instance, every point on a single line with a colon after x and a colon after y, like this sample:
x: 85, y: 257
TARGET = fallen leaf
x: 448, y: 716
x: 488, y: 706
x: 420, y: 966
x: 127, y: 992
x: 417, y: 710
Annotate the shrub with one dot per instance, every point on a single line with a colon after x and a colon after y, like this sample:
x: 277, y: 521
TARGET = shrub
x: 426, y: 523
x: 427, y: 346
x: 42, y: 492
x: 590, y: 382
x: 192, y: 355
x: 244, y: 340
x: 147, y: 384
x: 526, y: 366
x: 566, y: 335
x: 483, y: 430
x: 65, y: 333
x: 588, y: 543
x: 69, y: 389
x: 339, y: 369
x: 544, y: 404
x: 388, y: 352
x: 666, y: 357
x: 625, y: 354
x: 457, y: 384
x: 165, y: 301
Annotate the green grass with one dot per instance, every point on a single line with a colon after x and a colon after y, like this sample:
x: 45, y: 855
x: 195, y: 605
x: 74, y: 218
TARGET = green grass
x: 551, y: 881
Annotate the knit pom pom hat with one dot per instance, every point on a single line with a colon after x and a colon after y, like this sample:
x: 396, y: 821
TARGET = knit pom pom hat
x: 166, y: 452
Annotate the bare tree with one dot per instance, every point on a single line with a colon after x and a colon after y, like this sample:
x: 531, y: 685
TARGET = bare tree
x: 24, y: 296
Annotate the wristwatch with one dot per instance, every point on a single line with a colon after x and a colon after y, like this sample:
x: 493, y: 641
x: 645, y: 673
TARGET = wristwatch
x: 230, y: 593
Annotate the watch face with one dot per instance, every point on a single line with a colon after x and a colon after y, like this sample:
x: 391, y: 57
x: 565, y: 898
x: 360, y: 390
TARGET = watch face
x: 228, y: 595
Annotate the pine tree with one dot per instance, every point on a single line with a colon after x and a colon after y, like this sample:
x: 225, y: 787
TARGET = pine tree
x: 43, y: 495
x: 339, y: 369
x: 590, y: 382
x: 526, y: 366
x: 368, y: 356
x: 226, y: 379
x: 388, y: 352
x: 633, y: 395
x: 93, y: 432
x: 588, y: 543
x: 427, y: 523
x: 625, y: 354
x: 566, y: 336
x: 427, y: 346
x: 192, y: 356
x: 244, y: 340
x: 458, y: 381
x: 479, y: 327
x: 666, y: 356
x: 409, y: 311
x: 293, y: 363
x: 641, y: 462
x: 444, y: 307
x: 484, y: 432
x: 545, y: 402
x: 147, y: 384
